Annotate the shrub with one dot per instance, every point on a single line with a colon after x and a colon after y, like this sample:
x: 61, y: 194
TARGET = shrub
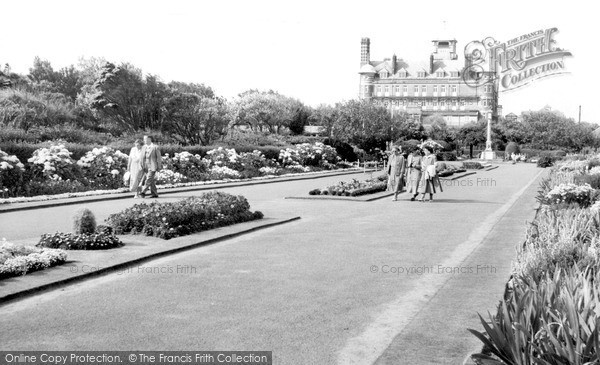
x: 511, y: 147
x: 446, y: 156
x: 409, y: 145
x: 472, y: 165
x: 582, y: 195
x: 168, y: 177
x: 53, y: 163
x: 545, y: 161
x: 11, y: 174
x: 84, y: 222
x: 305, y: 154
x: 189, y: 165
x: 84, y: 241
x: 19, y: 260
x: 104, y: 167
x: 344, y: 150
x: 193, y: 214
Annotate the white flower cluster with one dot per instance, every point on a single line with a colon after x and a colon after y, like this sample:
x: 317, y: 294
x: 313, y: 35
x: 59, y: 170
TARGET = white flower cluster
x: 106, y: 156
x: 431, y: 143
x: 224, y: 171
x: 222, y: 156
x: 51, y: 160
x: 595, y: 208
x: 19, y: 259
x: 166, y: 176
x: 564, y: 192
x: 305, y: 153
x: 268, y: 170
x: 594, y: 170
x: 9, y: 162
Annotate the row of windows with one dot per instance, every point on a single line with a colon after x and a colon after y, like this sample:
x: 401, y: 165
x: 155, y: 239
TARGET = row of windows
x: 422, y: 88
x: 384, y: 74
x: 431, y: 103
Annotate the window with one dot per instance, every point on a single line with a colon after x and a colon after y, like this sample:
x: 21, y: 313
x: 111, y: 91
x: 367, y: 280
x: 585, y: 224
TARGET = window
x: 405, y: 88
x: 454, y: 73
x: 387, y: 89
x: 443, y: 88
x: 423, y: 88
x: 416, y: 89
x: 462, y: 103
x: 435, y: 88
x: 435, y: 103
x: 383, y: 74
x: 421, y: 74
x: 442, y: 104
x: 402, y: 73
x: 378, y: 90
x: 453, y: 88
x: 397, y: 89
x: 439, y: 74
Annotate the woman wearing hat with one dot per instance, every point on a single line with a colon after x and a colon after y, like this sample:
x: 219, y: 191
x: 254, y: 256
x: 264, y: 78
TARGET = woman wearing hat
x: 413, y: 173
x: 396, y: 168
x: 429, y: 178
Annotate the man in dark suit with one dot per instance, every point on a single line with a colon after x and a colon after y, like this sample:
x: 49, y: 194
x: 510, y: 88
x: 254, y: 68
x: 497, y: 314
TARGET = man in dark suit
x: 151, y: 163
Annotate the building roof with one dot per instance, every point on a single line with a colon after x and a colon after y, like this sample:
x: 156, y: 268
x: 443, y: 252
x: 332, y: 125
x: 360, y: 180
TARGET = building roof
x: 412, y: 68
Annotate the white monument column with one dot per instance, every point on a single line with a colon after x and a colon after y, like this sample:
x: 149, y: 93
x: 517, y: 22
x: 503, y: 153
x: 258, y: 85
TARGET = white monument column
x: 488, y: 154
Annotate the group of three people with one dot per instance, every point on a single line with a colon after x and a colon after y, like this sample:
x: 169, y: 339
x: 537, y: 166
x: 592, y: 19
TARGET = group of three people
x: 417, y: 171
x: 144, y: 162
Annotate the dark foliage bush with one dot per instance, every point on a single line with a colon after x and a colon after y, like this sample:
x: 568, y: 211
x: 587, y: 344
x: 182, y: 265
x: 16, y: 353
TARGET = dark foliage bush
x: 344, y: 150
x: 446, y: 156
x: 472, y: 165
x: 84, y: 222
x: 511, y: 147
x: 545, y: 160
x: 52, y: 187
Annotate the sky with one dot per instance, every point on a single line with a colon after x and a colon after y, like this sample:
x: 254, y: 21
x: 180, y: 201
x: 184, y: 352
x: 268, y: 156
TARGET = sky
x: 306, y: 49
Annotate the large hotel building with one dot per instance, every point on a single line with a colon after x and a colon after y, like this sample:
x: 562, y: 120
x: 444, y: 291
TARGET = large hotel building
x: 426, y: 88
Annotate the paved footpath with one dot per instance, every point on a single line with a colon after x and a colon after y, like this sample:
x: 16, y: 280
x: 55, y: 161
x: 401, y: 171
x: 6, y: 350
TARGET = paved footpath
x: 350, y: 283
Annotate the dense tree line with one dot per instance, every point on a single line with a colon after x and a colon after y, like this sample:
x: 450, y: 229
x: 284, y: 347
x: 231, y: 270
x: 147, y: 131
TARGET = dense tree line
x: 119, y: 99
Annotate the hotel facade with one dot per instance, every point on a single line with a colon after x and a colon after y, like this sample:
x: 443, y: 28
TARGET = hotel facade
x: 435, y: 86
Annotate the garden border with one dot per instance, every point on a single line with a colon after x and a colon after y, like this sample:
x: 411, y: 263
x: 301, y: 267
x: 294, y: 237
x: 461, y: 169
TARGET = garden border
x: 361, y: 198
x: 13, y: 207
x: 77, y: 277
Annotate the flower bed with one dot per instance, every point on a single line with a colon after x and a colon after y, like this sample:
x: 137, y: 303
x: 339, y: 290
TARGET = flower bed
x: 552, y: 306
x: 18, y: 260
x: 194, y: 214
x: 354, y: 187
x: 51, y: 170
x: 71, y: 241
x: 472, y: 165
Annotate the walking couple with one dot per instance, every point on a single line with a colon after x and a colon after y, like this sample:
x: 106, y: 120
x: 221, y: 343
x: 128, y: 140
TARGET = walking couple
x: 418, y: 170
x: 144, y: 162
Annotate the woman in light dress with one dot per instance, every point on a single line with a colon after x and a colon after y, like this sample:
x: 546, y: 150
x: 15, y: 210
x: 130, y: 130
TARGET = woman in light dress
x: 134, y: 167
x: 413, y: 172
x: 395, y: 170
x: 429, y: 178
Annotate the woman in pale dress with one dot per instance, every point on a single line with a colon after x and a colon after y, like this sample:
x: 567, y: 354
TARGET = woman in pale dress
x: 395, y: 170
x: 413, y: 173
x: 429, y: 178
x: 134, y: 167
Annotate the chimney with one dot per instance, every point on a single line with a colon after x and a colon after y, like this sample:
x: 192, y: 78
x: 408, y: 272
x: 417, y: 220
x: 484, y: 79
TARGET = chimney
x: 431, y: 65
x: 394, y: 60
x: 365, y: 51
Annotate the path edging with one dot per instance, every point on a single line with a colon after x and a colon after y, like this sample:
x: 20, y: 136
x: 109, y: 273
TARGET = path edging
x: 114, y: 268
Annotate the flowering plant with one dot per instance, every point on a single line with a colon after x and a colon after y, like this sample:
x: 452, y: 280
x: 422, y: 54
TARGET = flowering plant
x: 11, y: 174
x: 223, y: 157
x: 19, y: 260
x: 268, y: 170
x: 574, y: 165
x: 71, y: 241
x: 187, y: 164
x: 166, y: 176
x: 571, y: 193
x: 223, y: 172
x: 104, y: 167
x: 52, y: 163
x: 305, y: 154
